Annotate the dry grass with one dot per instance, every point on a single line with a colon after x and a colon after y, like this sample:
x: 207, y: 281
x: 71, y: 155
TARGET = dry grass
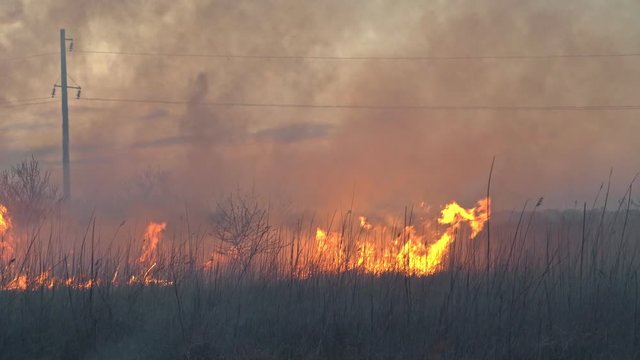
x: 561, y: 285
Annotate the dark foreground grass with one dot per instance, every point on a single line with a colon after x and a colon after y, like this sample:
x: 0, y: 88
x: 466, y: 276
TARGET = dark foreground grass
x: 559, y: 286
x: 528, y: 314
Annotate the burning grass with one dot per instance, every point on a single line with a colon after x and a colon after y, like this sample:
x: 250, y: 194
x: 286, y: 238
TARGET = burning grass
x: 559, y: 285
x: 395, y: 250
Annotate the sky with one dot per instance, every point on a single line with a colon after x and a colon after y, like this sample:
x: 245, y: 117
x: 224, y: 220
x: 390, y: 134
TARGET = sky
x: 159, y: 154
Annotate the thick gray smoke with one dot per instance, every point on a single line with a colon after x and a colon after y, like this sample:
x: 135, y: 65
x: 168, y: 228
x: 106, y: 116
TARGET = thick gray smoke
x: 161, y: 155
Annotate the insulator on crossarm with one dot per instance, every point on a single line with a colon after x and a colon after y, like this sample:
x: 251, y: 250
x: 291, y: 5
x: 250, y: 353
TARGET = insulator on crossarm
x: 78, y: 94
x: 53, y: 92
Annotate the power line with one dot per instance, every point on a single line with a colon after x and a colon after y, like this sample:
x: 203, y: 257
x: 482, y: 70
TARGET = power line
x: 27, y: 102
x: 27, y: 57
x: 377, y: 107
x: 365, y: 58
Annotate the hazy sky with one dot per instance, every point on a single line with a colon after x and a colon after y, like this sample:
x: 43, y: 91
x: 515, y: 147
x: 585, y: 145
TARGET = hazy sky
x: 320, y: 158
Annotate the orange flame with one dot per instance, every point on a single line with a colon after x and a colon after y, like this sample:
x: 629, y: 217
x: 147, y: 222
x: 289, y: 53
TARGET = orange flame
x: 26, y: 282
x: 149, y: 256
x: 6, y: 241
x: 331, y: 252
x: 364, y: 223
x: 5, y: 221
x: 454, y: 215
x: 409, y: 253
x: 151, y: 240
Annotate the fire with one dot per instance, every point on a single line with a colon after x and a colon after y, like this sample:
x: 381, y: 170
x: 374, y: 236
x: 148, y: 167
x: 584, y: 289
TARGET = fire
x: 25, y: 281
x: 19, y: 283
x: 453, y: 215
x: 151, y: 240
x: 330, y: 249
x: 6, y: 241
x: 149, y: 256
x: 46, y: 280
x: 364, y: 224
x: 409, y: 252
x: 5, y: 221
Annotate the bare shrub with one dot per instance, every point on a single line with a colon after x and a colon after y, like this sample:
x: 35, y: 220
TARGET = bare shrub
x: 241, y: 225
x: 28, y: 192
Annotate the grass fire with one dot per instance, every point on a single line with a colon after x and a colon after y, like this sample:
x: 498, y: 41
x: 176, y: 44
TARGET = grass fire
x: 364, y: 283
x: 286, y: 179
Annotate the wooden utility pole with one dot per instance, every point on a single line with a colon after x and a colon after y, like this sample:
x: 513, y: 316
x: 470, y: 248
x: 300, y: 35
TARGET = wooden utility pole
x: 66, y: 171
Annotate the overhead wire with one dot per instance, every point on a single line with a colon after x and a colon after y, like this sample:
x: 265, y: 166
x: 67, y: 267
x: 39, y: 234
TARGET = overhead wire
x: 36, y: 101
x: 375, y: 107
x: 27, y: 102
x: 362, y: 58
x: 23, y: 57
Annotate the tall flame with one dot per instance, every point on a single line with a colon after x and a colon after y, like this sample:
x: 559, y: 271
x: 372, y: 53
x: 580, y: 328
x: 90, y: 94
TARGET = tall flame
x: 409, y: 252
x: 24, y: 281
x: 453, y: 215
x: 372, y: 251
x: 331, y: 252
x: 151, y: 240
x: 6, y: 241
x: 149, y: 256
x: 5, y: 221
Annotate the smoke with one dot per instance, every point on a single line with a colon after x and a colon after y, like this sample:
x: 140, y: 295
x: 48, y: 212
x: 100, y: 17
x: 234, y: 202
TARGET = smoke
x: 327, y: 158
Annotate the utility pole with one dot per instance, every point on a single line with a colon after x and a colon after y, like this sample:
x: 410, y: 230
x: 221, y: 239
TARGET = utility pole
x: 66, y: 171
x: 65, y: 117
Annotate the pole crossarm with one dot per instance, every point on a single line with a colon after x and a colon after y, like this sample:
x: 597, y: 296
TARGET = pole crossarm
x: 69, y: 87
